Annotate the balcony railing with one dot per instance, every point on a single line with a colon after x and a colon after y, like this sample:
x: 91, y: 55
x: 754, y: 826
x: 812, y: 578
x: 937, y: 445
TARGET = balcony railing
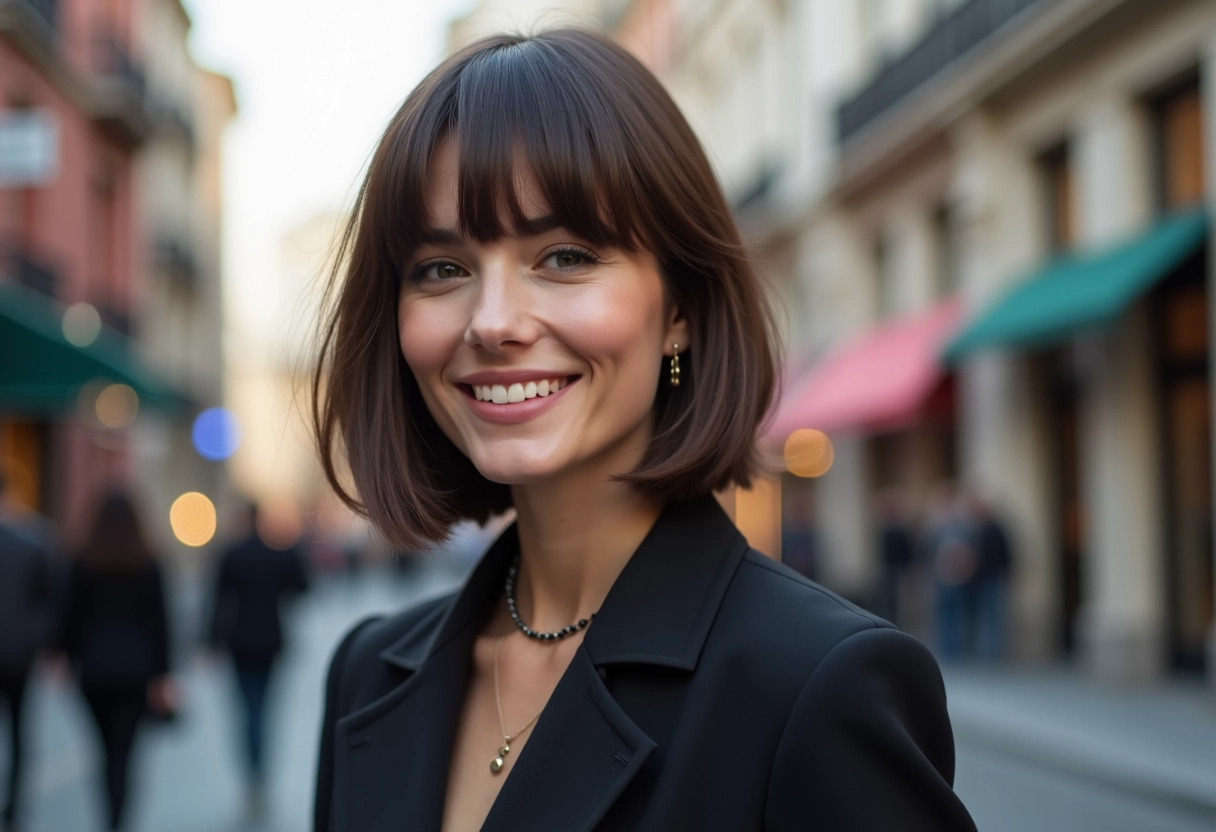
x: 115, y: 61
x: 957, y: 34
x: 175, y: 257
x: 24, y: 267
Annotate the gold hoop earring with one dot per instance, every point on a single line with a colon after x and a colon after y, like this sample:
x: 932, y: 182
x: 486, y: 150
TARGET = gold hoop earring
x: 675, y: 365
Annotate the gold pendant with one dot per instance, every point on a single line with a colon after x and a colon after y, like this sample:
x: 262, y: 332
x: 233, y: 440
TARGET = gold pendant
x: 497, y: 763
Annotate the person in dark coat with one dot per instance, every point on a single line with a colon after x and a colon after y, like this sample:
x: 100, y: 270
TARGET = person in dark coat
x: 252, y: 580
x: 115, y: 633
x: 896, y: 554
x: 25, y: 613
x: 543, y: 304
x: 991, y: 579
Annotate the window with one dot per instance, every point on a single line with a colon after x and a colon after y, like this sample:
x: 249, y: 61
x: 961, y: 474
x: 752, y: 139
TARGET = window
x: 1060, y: 192
x: 949, y: 257
x: 884, y: 273
x: 1178, y: 121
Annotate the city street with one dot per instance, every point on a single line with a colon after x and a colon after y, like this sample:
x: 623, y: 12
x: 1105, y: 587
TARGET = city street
x: 187, y: 778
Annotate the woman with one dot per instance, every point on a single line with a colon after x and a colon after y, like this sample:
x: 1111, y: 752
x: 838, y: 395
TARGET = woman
x: 546, y: 307
x: 115, y: 633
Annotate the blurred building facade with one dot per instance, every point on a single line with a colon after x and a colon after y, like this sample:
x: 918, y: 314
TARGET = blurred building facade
x: 109, y: 210
x: 988, y: 222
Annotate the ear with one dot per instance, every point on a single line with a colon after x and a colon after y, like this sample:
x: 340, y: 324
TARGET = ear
x: 677, y: 332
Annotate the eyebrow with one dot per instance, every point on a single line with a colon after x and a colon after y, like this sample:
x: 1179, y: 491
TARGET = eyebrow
x: 530, y: 227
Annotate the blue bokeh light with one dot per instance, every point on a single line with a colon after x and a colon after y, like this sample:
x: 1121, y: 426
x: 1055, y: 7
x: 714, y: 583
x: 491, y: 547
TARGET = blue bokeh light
x: 216, y: 433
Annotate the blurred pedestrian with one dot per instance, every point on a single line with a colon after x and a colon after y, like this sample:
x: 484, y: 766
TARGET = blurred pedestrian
x: 799, y: 542
x: 25, y: 613
x: 115, y: 632
x: 895, y: 555
x: 991, y: 580
x: 953, y: 555
x: 252, y: 579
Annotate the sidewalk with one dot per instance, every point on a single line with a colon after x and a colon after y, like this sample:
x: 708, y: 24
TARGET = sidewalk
x: 1157, y: 741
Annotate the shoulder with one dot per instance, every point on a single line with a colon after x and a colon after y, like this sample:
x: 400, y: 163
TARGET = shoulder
x: 790, y: 634
x: 770, y: 604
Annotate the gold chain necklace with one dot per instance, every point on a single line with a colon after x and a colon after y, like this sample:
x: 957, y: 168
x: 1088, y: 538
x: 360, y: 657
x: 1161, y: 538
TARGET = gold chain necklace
x: 500, y: 758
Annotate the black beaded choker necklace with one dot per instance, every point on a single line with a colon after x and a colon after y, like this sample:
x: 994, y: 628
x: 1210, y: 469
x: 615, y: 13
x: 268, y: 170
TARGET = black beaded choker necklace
x: 556, y: 635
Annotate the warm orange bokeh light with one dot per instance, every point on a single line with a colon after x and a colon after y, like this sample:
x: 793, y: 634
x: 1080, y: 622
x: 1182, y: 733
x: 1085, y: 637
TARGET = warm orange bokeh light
x: 808, y: 453
x: 192, y: 518
x: 116, y: 406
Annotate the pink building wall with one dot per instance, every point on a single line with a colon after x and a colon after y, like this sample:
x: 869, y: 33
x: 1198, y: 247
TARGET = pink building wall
x: 82, y: 223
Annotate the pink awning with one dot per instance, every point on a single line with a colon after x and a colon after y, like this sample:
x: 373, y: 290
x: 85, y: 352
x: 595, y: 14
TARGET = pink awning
x: 878, y: 381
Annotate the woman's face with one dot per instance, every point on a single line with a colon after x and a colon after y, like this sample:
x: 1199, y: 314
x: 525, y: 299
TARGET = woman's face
x: 537, y: 354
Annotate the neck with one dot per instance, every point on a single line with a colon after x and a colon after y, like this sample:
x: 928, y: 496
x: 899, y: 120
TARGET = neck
x: 575, y: 538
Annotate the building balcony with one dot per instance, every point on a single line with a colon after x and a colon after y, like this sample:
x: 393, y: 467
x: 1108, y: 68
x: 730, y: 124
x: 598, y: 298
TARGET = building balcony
x: 32, y: 26
x: 171, y: 119
x: 119, y: 92
x: 955, y: 36
x: 174, y: 257
x: 22, y: 266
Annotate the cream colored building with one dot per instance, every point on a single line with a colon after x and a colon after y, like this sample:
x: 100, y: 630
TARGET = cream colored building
x: 180, y: 309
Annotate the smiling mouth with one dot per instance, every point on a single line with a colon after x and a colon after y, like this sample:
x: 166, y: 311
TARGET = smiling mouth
x: 505, y: 394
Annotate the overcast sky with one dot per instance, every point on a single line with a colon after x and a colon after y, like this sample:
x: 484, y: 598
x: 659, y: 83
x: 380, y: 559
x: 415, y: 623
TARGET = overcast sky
x: 315, y: 83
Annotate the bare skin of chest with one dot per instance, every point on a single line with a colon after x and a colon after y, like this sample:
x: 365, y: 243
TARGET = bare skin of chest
x: 528, y: 672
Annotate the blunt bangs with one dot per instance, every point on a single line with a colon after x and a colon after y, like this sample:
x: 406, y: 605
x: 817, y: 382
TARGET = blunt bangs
x: 519, y: 101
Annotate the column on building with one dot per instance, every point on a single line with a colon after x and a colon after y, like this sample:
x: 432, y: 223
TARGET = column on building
x: 1122, y: 623
x: 1004, y: 442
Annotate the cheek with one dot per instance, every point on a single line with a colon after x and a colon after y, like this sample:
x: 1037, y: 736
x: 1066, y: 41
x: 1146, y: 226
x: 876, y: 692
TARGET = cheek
x: 423, y: 338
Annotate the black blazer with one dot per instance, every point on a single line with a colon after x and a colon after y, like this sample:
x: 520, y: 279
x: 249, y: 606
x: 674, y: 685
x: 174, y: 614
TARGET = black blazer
x: 716, y: 690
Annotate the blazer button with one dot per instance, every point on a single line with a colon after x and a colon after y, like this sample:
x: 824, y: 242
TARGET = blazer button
x: 602, y: 673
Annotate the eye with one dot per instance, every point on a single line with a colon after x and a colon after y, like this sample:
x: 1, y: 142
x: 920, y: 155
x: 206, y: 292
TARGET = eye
x: 439, y: 270
x: 568, y: 258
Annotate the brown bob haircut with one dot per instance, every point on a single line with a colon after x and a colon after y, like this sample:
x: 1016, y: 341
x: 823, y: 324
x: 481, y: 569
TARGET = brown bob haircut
x: 619, y: 166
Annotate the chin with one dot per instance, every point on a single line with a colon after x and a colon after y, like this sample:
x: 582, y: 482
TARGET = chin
x: 515, y: 472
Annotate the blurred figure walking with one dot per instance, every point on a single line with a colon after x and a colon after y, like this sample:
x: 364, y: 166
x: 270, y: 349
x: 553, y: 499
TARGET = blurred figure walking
x: 115, y: 632
x: 991, y: 579
x: 895, y: 555
x: 25, y: 616
x: 252, y: 581
x: 953, y: 554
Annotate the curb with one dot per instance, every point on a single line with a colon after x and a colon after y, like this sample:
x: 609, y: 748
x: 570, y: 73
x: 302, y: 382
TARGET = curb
x: 1126, y: 770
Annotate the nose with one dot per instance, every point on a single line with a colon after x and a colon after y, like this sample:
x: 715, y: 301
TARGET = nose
x: 501, y: 316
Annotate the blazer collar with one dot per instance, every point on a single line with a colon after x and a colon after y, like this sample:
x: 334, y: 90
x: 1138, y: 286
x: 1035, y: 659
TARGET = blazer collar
x: 658, y: 611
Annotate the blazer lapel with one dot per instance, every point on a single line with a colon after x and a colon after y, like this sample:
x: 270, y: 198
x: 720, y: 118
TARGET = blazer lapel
x: 394, y: 753
x: 398, y: 748
x: 583, y: 754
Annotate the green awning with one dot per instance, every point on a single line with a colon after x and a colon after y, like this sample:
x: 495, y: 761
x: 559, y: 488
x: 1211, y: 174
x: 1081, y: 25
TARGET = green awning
x: 1084, y: 290
x: 42, y: 372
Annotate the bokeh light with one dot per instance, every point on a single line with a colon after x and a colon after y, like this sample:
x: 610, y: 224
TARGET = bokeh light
x: 192, y: 518
x: 81, y: 324
x: 809, y: 453
x: 216, y: 433
x: 116, y: 406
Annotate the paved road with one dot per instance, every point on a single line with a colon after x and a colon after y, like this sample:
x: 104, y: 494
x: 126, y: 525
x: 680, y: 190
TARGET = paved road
x: 188, y: 778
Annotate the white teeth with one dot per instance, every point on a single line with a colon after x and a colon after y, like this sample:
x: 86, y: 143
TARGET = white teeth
x: 518, y: 392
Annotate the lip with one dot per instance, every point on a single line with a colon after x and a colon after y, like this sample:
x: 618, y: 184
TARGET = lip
x: 513, y: 414
x: 509, y: 377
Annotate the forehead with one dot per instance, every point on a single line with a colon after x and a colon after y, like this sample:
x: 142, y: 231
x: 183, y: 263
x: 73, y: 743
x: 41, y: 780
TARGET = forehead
x: 442, y: 192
